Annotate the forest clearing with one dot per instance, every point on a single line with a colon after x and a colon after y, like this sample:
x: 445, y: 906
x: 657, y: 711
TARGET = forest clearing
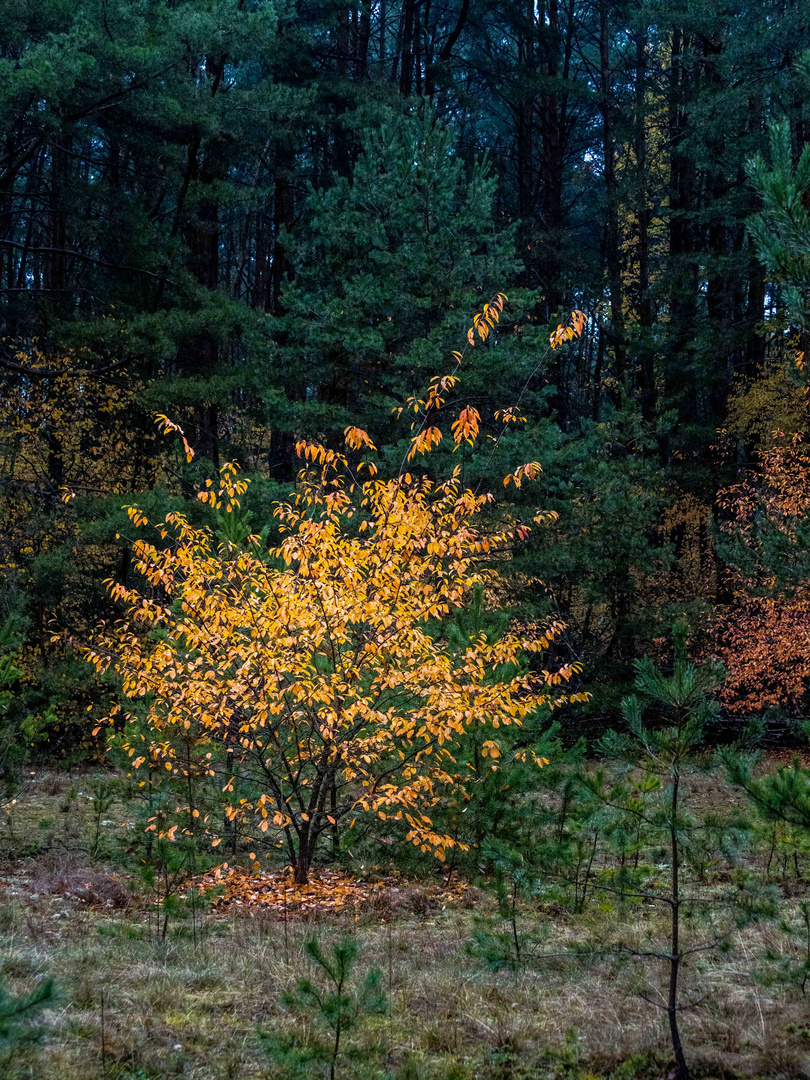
x: 404, y: 540
x: 133, y: 1003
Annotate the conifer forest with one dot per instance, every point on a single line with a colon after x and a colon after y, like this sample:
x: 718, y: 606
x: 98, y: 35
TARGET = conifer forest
x: 405, y: 539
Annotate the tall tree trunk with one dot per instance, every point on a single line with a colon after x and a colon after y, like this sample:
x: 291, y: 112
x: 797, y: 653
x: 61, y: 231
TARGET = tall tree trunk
x: 611, y: 233
x: 723, y: 239
x: 446, y: 51
x: 754, y: 356
x: 646, y: 352
x: 683, y: 271
x: 681, y: 1068
x: 754, y: 315
x: 553, y: 104
x: 341, y: 146
x: 417, y: 52
x: 406, y: 47
x: 283, y: 216
x: 56, y: 279
x: 363, y: 36
x: 201, y: 235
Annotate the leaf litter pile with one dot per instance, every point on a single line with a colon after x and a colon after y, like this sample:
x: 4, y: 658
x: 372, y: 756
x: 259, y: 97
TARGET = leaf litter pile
x: 328, y: 892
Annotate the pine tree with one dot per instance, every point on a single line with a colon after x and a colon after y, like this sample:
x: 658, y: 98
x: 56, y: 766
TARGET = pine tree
x: 336, y: 1003
x: 385, y: 267
x: 781, y: 231
x: 665, y: 750
x: 782, y: 795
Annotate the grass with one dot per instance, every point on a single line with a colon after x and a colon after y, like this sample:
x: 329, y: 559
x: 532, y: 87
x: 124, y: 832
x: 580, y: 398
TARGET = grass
x: 130, y: 1005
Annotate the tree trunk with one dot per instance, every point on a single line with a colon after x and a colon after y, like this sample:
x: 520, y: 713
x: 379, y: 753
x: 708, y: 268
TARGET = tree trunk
x: 683, y: 289
x: 646, y: 354
x: 406, y: 47
x: 301, y: 875
x: 612, y: 239
x: 754, y: 315
x: 681, y: 1068
x: 555, y: 45
x: 363, y: 36
x: 283, y: 214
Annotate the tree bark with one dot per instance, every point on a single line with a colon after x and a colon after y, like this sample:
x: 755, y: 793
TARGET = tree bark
x: 646, y: 363
x: 611, y: 235
x: 406, y: 47
x: 681, y: 1068
x: 683, y: 289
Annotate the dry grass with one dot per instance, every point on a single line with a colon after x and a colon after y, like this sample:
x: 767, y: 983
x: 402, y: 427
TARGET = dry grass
x: 180, y: 1008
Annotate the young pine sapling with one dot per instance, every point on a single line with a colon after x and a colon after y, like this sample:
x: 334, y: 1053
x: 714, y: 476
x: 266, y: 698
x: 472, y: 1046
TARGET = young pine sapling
x: 659, y: 754
x: 335, y: 1002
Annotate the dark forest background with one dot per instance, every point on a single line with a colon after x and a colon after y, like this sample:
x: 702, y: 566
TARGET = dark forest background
x: 275, y: 220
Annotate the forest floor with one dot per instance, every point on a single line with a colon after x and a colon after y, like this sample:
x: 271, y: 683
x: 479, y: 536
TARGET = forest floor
x: 131, y: 1003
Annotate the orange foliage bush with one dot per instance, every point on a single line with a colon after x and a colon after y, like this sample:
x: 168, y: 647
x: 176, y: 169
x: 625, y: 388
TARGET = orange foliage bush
x: 313, y: 670
x: 765, y: 632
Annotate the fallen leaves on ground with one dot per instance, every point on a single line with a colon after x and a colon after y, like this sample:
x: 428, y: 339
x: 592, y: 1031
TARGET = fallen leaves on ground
x: 328, y: 891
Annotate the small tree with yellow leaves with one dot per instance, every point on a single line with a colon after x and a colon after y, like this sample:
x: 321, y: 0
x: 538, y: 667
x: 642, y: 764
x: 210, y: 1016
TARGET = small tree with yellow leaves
x: 310, y: 669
